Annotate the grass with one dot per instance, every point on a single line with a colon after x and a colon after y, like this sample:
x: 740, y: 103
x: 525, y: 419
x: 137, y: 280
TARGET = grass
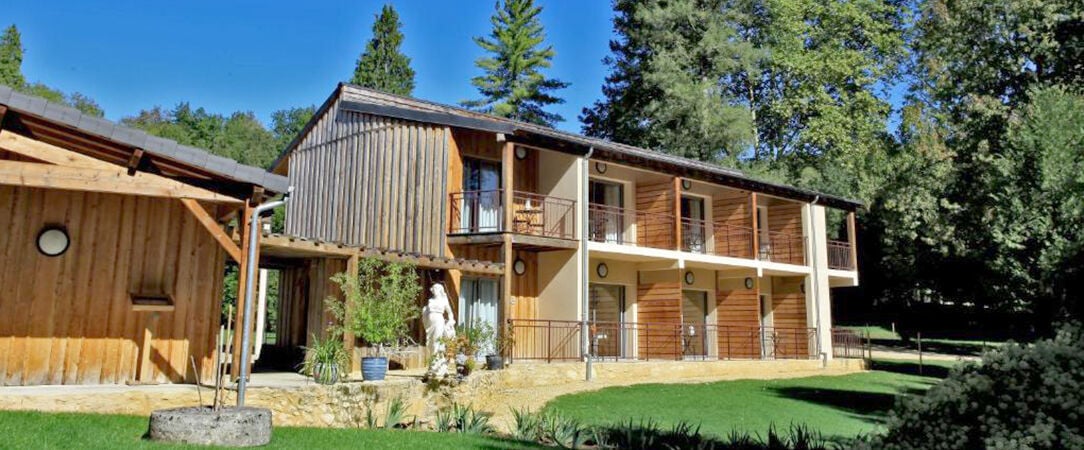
x: 885, y: 337
x: 836, y: 406
x: 35, y: 430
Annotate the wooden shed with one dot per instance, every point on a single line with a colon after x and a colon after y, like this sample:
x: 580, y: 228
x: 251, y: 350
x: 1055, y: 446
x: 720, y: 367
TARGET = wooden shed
x: 114, y: 248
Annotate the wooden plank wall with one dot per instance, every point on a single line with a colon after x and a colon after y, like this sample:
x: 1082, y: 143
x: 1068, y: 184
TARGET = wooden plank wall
x: 293, y: 307
x: 68, y: 319
x: 656, y: 198
x: 371, y: 181
x: 658, y: 303
x: 788, y: 314
x: 734, y: 207
x: 320, y: 287
x: 738, y: 316
x: 525, y: 288
x: 786, y: 217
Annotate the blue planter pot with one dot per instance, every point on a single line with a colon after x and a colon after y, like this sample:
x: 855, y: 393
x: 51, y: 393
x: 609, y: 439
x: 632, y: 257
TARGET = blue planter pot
x: 374, y: 368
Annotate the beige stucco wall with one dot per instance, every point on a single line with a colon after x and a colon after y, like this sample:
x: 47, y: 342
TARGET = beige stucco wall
x: 558, y: 284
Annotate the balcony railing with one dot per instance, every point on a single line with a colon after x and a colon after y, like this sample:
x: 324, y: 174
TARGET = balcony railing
x: 839, y: 255
x: 609, y: 224
x: 533, y: 214
x: 734, y: 241
x: 559, y: 340
x: 849, y: 344
x: 783, y: 247
x: 694, y: 235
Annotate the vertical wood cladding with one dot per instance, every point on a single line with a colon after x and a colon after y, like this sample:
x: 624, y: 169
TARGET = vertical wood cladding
x: 738, y: 315
x: 371, y: 181
x: 659, y: 304
x: 69, y: 319
x: 658, y: 200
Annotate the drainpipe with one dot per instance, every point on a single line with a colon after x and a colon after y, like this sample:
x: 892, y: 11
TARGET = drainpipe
x: 813, y: 278
x: 585, y: 339
x: 250, y: 271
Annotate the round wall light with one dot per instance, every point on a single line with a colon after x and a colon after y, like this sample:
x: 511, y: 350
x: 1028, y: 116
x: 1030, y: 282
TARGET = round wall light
x: 602, y: 270
x: 53, y: 241
x: 519, y: 267
x: 521, y: 153
x: 600, y: 167
x: 690, y: 278
x: 748, y: 283
x: 686, y: 184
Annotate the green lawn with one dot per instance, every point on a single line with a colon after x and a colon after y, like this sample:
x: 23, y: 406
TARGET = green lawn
x: 33, y: 430
x: 837, y: 406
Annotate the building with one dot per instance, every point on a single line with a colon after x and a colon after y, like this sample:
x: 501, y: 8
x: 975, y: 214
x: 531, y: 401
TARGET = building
x: 114, y: 248
x: 538, y: 229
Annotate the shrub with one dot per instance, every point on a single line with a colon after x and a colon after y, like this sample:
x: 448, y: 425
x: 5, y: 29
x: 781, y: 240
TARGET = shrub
x: 326, y: 353
x: 1018, y: 397
x: 379, y: 304
x: 462, y: 419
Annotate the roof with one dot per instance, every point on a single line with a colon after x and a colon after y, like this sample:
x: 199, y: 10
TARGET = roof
x: 369, y: 101
x: 138, y: 139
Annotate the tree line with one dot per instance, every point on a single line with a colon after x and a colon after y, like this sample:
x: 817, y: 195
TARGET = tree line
x: 959, y: 124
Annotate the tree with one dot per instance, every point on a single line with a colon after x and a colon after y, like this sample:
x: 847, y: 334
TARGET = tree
x: 11, y: 58
x: 382, y: 66
x: 512, y: 84
x: 286, y: 124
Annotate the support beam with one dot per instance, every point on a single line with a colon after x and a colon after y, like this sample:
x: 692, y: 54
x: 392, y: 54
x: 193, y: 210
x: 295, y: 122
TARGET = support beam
x: 852, y: 238
x: 213, y: 227
x: 677, y: 214
x: 45, y: 152
x: 134, y: 160
x: 114, y: 180
x: 242, y: 277
x: 754, y: 224
x: 349, y: 340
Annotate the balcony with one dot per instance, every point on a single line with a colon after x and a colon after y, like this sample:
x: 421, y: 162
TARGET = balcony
x: 694, y: 235
x: 840, y: 255
x: 733, y: 241
x: 482, y: 212
x: 783, y: 248
x: 609, y: 224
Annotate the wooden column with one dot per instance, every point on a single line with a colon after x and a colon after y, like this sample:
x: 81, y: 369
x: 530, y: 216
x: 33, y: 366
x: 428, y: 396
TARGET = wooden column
x: 244, y: 215
x: 756, y: 232
x: 852, y: 238
x: 349, y: 340
x: 677, y: 213
x: 508, y: 157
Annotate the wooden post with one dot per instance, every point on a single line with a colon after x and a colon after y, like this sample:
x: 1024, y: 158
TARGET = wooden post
x: 853, y: 240
x: 920, y: 353
x: 677, y: 213
x: 753, y: 219
x: 349, y: 340
x: 242, y: 277
x: 508, y: 157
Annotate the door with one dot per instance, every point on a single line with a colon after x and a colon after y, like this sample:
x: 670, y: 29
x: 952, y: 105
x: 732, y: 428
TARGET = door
x: 694, y: 319
x: 767, y: 330
x: 607, y: 311
x: 607, y: 213
x: 693, y: 229
x: 481, y: 208
x: 478, y: 305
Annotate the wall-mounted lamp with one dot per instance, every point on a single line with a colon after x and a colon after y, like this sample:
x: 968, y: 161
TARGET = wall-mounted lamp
x: 686, y: 184
x: 53, y: 241
x: 521, y: 152
x: 600, y: 167
x: 749, y: 283
x: 602, y: 270
x: 690, y: 278
x: 519, y: 267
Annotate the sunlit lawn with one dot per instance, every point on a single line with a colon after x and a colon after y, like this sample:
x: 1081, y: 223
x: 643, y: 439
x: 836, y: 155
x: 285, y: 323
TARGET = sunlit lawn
x: 837, y: 406
x: 33, y: 430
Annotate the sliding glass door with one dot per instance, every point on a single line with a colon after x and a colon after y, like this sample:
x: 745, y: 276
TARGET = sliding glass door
x: 481, y: 208
x: 478, y: 304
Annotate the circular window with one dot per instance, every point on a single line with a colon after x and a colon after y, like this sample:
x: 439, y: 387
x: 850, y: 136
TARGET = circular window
x: 521, y: 153
x: 748, y: 283
x: 53, y: 241
x: 690, y: 278
x: 602, y: 270
x: 519, y: 267
x: 600, y: 167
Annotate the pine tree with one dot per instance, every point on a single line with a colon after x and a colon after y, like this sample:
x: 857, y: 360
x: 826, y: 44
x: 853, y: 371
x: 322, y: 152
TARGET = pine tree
x: 11, y: 59
x: 512, y: 85
x: 382, y: 66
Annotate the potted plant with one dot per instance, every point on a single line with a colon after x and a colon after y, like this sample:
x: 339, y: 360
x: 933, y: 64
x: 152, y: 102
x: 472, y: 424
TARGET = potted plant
x: 465, y: 347
x: 500, y: 342
x: 326, y: 359
x: 378, y: 307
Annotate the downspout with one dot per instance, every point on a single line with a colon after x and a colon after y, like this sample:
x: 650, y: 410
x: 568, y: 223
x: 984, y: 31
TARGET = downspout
x: 813, y: 280
x: 585, y: 338
x: 250, y: 271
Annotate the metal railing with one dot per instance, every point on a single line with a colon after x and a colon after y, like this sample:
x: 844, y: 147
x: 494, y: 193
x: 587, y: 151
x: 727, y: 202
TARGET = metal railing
x: 532, y: 214
x: 694, y: 235
x: 839, y: 255
x: 607, y: 224
x: 559, y: 340
x: 849, y: 344
x: 733, y: 240
x: 783, y: 247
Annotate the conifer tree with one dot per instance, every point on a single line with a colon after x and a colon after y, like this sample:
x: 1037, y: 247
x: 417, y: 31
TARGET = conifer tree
x: 382, y: 66
x: 11, y: 58
x: 512, y: 84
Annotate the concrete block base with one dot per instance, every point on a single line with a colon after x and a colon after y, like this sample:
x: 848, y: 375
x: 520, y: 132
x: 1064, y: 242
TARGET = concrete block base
x: 227, y: 427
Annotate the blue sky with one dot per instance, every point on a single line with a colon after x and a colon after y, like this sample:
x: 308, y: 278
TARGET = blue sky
x: 262, y: 56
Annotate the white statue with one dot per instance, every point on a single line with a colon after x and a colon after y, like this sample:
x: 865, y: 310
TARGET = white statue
x: 436, y: 328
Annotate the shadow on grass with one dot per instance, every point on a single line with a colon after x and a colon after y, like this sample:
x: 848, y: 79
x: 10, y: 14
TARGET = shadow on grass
x: 945, y: 348
x: 871, y: 406
x: 911, y: 368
